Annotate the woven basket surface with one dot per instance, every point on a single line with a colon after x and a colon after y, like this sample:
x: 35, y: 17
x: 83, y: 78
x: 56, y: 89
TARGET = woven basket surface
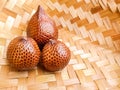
x: 90, y: 28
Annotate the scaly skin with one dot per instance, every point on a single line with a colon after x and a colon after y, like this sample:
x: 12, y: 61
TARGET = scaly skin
x: 55, y: 55
x: 41, y: 27
x: 23, y: 53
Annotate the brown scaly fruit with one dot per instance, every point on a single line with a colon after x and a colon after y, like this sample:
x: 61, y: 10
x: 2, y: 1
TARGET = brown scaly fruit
x: 41, y: 27
x: 23, y: 53
x: 55, y: 55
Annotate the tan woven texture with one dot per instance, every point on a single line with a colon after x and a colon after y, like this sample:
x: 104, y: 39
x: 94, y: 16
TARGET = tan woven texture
x: 90, y: 28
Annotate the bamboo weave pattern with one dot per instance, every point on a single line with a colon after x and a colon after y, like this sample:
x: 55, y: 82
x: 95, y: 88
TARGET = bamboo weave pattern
x: 90, y: 28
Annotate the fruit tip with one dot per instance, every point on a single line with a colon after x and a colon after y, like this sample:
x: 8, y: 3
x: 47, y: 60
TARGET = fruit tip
x: 39, y: 7
x: 22, y: 38
x: 52, y: 41
x: 40, y: 10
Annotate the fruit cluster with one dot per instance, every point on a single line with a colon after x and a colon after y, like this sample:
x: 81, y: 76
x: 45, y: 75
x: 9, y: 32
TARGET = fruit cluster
x: 39, y: 46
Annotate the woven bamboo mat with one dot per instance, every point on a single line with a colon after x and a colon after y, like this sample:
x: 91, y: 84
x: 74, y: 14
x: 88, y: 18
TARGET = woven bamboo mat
x: 90, y: 28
